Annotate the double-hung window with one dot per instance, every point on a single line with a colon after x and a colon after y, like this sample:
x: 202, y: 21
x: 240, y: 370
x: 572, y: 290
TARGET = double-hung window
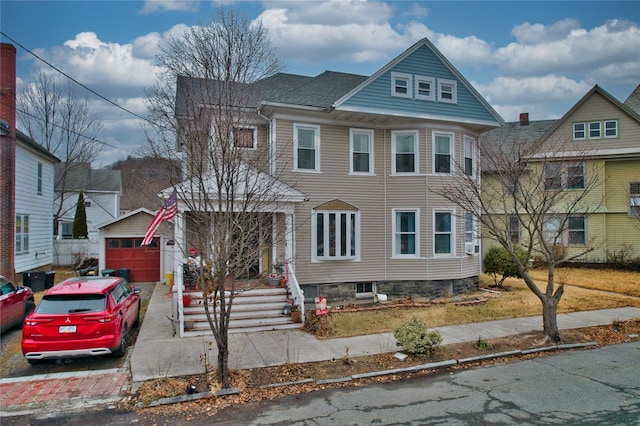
x: 307, y: 147
x: 611, y: 128
x: 244, y: 137
x: 401, y: 85
x: 595, y: 129
x: 575, y: 175
x: 442, y: 233
x: 469, y: 228
x: 553, y: 229
x: 577, y: 230
x: 425, y: 88
x: 447, y: 91
x: 579, y: 131
x: 361, y: 147
x: 634, y: 199
x: 559, y: 175
x: 442, y: 152
x: 514, y: 229
x: 336, y: 234
x: 469, y: 154
x: 405, y: 233
x: 405, y: 151
x: 22, y: 234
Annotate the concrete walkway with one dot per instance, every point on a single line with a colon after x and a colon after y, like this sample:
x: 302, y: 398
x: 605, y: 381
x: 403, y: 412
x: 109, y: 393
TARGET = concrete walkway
x: 157, y: 353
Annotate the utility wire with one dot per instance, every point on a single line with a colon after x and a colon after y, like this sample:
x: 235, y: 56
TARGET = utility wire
x: 77, y: 82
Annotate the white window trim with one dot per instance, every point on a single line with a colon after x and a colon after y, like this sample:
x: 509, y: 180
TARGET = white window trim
x: 22, y: 235
x: 584, y: 130
x: 605, y: 129
x: 394, y: 248
x: 589, y: 130
x: 316, y: 129
x: 365, y: 295
x: 255, y: 137
x: 454, y: 89
x: 451, y: 137
x: 424, y: 79
x: 466, y: 138
x: 314, y: 237
x: 401, y: 76
x: 416, y: 151
x: 39, y: 173
x: 371, y: 162
x: 452, y: 212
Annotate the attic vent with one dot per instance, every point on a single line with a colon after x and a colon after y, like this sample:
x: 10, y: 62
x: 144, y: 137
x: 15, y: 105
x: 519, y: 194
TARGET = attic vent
x: 524, y: 118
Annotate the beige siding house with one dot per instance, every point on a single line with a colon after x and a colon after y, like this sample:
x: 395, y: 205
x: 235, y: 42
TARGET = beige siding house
x: 359, y: 156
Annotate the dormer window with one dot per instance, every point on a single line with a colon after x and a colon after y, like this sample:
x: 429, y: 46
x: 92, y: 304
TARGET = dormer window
x: 425, y: 88
x: 447, y: 91
x: 401, y: 85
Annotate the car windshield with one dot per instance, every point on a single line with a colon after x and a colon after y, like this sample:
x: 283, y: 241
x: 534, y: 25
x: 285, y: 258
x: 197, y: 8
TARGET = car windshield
x: 72, y: 303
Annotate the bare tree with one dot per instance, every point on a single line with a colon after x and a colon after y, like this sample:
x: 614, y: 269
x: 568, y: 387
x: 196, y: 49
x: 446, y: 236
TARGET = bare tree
x: 229, y: 187
x: 63, y: 123
x: 534, y: 197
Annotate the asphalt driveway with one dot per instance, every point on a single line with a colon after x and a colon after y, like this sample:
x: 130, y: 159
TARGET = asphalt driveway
x: 13, y: 363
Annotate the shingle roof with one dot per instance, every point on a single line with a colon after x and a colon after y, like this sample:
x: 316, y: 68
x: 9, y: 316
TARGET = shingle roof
x: 81, y: 177
x: 633, y: 101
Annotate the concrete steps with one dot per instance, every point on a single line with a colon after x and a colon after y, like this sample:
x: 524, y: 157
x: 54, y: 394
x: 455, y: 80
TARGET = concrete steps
x: 258, y: 309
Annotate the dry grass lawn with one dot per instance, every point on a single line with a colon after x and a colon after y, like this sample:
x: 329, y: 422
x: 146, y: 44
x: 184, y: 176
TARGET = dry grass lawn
x: 584, y: 290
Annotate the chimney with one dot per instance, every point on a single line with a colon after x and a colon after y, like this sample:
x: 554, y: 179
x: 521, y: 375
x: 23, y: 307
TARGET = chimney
x: 524, y: 119
x: 7, y: 159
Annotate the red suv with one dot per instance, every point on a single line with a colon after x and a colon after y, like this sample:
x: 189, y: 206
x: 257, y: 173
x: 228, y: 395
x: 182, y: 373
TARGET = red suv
x: 15, y: 304
x: 86, y: 316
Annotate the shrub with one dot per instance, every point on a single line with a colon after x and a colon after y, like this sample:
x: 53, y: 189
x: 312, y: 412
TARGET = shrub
x: 498, y: 262
x: 415, y: 337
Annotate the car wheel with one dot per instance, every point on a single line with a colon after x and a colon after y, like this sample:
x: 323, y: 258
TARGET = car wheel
x: 137, y: 321
x: 33, y: 361
x: 28, y: 308
x: 122, y: 348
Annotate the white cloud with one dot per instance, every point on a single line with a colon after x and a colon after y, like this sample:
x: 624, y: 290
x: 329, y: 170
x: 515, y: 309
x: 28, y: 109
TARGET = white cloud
x: 537, y: 33
x: 416, y: 11
x: 508, y: 90
x: 615, y: 41
x: 464, y: 51
x: 335, y: 13
x: 152, y: 6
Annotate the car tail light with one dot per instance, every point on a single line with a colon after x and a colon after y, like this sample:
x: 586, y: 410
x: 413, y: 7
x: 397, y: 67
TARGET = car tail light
x: 107, y: 318
x: 35, y: 321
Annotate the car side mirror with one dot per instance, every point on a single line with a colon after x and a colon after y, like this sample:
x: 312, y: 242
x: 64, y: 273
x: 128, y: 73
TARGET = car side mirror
x: 137, y: 290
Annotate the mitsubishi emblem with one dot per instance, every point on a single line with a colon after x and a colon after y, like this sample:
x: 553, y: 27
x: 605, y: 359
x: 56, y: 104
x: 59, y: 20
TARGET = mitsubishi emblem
x: 67, y: 320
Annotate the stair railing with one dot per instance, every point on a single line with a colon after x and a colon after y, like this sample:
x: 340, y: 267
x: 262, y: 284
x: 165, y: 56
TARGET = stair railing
x: 294, y: 288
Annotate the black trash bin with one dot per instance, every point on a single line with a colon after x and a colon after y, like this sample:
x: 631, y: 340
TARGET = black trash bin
x: 34, y: 280
x: 108, y: 272
x: 124, y: 273
x: 49, y: 277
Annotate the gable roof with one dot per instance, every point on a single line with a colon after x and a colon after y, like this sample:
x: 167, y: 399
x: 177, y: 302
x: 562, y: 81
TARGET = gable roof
x: 29, y: 143
x: 595, y: 89
x: 633, y: 100
x: 128, y: 215
x: 81, y: 177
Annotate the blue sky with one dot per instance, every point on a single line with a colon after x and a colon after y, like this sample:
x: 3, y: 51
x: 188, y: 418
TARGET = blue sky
x: 539, y: 57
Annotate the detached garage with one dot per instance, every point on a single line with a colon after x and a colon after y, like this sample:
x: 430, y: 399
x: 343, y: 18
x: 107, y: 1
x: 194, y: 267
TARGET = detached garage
x: 120, y: 247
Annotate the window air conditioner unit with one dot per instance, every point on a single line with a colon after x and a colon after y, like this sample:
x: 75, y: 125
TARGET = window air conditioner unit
x: 471, y: 248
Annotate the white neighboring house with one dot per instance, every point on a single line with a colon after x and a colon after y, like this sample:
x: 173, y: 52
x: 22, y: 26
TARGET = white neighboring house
x: 101, y: 189
x: 34, y: 182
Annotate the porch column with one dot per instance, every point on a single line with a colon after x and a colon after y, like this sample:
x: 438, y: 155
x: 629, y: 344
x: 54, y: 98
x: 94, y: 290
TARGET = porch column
x: 274, y: 240
x: 179, y: 238
x: 288, y: 237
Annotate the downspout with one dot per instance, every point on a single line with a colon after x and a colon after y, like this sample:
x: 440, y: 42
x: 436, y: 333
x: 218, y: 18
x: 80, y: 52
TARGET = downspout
x: 386, y: 213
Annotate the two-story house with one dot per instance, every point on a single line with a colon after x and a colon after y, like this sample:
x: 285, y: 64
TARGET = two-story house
x: 359, y: 155
x: 593, y: 152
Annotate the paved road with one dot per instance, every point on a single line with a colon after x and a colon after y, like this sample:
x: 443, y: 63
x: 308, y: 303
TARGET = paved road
x: 594, y: 387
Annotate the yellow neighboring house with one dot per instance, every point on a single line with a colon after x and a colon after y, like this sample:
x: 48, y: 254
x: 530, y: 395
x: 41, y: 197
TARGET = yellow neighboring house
x: 595, y: 149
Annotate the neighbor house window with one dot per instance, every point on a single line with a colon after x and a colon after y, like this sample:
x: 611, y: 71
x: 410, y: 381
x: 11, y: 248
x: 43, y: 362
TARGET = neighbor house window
x: 22, y: 234
x: 67, y: 230
x: 39, y: 181
x: 579, y: 131
x: 405, y: 233
x: 405, y: 151
x: 442, y: 232
x: 611, y: 129
x: 244, y: 137
x: 552, y: 229
x: 336, y: 234
x: 634, y: 199
x: 469, y: 153
x: 514, y: 229
x: 559, y: 175
x: 425, y: 88
x: 577, y: 230
x: 307, y: 147
x: 469, y: 228
x: 442, y: 152
x: 361, y: 147
x: 594, y: 130
x: 447, y: 91
x: 367, y: 289
x: 575, y: 175
x: 553, y: 175
x: 401, y: 85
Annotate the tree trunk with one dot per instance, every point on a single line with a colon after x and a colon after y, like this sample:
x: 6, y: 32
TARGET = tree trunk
x: 550, y: 318
x: 223, y: 365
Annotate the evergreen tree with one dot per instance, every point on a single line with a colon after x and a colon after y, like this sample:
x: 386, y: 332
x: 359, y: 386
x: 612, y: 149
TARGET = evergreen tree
x: 80, y: 219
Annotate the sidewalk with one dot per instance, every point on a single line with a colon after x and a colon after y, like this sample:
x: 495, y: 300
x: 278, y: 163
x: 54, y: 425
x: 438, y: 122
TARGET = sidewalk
x: 158, y: 354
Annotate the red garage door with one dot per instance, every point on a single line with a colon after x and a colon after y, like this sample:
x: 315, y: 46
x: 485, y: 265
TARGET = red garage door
x: 142, y: 262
